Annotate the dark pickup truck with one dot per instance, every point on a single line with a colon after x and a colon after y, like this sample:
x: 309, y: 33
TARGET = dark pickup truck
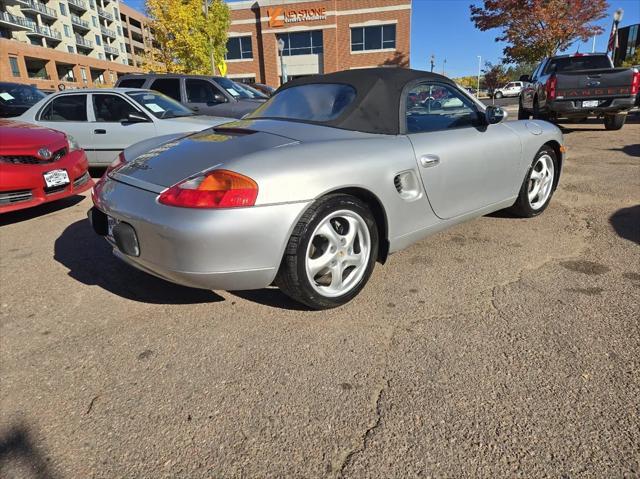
x: 579, y: 86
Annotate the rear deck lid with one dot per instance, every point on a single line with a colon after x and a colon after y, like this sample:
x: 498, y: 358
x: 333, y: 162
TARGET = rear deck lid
x: 175, y: 160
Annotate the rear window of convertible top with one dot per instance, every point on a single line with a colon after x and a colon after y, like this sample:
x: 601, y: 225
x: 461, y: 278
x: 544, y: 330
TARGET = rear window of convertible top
x: 316, y: 102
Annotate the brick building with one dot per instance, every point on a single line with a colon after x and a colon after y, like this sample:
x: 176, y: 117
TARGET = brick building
x: 319, y: 36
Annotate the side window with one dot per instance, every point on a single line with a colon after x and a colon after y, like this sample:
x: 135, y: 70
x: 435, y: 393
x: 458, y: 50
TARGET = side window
x: 536, y: 72
x: 201, y: 91
x: 131, y: 83
x: 66, y: 108
x: 436, y: 107
x: 111, y: 108
x: 168, y: 86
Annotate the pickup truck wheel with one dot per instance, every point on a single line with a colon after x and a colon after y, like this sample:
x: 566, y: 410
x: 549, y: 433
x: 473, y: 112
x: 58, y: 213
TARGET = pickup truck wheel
x: 522, y: 113
x: 537, y: 114
x: 614, y: 122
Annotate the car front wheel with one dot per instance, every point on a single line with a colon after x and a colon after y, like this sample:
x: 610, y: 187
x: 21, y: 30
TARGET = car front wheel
x: 331, y: 253
x: 498, y: 95
x: 540, y: 182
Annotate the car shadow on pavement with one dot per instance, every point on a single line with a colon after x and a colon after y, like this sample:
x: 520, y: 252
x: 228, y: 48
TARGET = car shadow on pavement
x: 40, y: 210
x: 272, y: 297
x: 626, y: 223
x: 90, y: 261
x: 19, y: 454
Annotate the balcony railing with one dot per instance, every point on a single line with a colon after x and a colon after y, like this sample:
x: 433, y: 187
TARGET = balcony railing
x: 105, y: 14
x: 40, y: 8
x: 80, y: 4
x: 108, y: 32
x: 44, y: 31
x: 111, y: 50
x: 81, y: 42
x: 79, y: 22
x: 16, y: 23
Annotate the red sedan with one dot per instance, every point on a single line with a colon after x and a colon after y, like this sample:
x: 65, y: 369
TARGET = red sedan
x: 38, y: 165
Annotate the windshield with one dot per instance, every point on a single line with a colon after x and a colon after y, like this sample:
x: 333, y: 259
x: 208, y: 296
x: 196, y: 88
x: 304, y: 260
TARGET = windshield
x: 233, y: 88
x: 12, y: 94
x: 586, y: 62
x: 313, y: 102
x: 159, y: 105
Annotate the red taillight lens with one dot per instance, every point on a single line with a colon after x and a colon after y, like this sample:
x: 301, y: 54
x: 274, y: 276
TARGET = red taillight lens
x: 635, y: 83
x: 551, y: 87
x: 217, y: 189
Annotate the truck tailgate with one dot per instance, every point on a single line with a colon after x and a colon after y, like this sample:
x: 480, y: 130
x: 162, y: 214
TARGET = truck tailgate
x: 604, y: 83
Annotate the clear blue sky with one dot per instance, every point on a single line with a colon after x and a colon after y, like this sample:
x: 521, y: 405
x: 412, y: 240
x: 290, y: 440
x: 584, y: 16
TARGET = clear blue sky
x: 443, y: 28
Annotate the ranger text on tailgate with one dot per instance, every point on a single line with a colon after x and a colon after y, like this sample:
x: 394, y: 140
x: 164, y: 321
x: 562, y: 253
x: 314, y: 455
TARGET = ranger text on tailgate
x: 579, y: 86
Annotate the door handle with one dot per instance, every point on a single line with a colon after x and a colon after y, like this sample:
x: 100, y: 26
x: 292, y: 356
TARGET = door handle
x: 428, y: 161
x: 100, y: 132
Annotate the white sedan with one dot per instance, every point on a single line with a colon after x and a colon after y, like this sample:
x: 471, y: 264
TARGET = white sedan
x: 106, y: 121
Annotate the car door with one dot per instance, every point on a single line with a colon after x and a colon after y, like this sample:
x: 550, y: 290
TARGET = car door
x: 205, y: 98
x: 69, y: 113
x: 510, y: 90
x: 113, y: 128
x: 464, y: 163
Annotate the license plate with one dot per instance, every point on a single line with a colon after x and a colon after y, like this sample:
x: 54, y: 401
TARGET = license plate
x: 111, y: 223
x: 55, y: 178
x: 590, y: 104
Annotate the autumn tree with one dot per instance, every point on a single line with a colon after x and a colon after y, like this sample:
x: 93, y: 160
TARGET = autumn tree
x: 495, y: 76
x: 534, y: 29
x: 187, y: 37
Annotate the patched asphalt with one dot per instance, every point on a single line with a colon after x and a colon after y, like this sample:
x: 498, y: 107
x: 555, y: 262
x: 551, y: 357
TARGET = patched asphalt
x: 502, y: 347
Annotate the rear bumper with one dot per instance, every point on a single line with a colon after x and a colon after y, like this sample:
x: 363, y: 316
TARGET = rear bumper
x: 23, y: 186
x: 573, y: 108
x: 237, y: 248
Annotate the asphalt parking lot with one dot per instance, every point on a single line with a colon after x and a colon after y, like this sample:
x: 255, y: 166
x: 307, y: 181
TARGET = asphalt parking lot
x: 500, y: 348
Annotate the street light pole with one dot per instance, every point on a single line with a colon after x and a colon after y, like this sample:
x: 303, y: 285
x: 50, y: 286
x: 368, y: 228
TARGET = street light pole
x: 283, y: 78
x: 479, y: 67
x: 206, y: 16
x: 617, y: 18
x: 433, y: 61
x: 444, y: 65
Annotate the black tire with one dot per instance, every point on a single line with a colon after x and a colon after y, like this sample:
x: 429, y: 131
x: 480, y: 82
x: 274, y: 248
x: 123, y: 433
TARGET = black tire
x: 614, y: 122
x: 522, y: 207
x: 522, y: 113
x: 292, y: 277
x: 498, y: 95
x: 537, y: 114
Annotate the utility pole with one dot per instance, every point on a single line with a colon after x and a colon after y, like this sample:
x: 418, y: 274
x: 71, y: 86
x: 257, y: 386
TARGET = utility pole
x: 206, y: 16
x: 433, y: 61
x: 479, y: 67
x: 444, y: 65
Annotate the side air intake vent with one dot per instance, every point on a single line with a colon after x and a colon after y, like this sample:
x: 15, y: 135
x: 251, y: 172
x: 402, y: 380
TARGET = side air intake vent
x: 407, y: 185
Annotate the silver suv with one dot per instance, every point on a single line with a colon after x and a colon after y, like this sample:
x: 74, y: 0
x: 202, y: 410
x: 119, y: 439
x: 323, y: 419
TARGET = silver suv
x: 205, y: 95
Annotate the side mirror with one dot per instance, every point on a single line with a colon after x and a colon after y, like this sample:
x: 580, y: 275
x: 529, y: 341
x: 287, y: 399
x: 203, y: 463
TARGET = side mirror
x: 525, y: 78
x: 219, y: 98
x: 494, y: 114
x: 136, y: 118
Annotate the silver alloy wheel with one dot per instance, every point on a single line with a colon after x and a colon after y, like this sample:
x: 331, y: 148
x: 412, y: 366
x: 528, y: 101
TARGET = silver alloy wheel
x: 541, y: 181
x: 338, y: 253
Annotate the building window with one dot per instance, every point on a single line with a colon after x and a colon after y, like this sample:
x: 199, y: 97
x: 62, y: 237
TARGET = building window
x: 239, y: 48
x: 83, y: 73
x: 15, y: 69
x: 100, y: 56
x: 93, y: 4
x: 70, y: 48
x: 63, y: 9
x: 302, y: 43
x: 122, y: 48
x: 98, y: 41
x: 119, y: 30
x: 380, y: 37
x: 67, y: 31
x: 95, y: 21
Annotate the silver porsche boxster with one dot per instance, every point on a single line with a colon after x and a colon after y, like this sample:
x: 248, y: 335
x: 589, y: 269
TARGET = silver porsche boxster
x: 325, y: 179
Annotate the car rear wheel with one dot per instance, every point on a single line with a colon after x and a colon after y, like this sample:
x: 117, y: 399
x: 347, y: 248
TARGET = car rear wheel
x: 522, y: 113
x: 614, y: 122
x: 331, y: 253
x: 539, y: 184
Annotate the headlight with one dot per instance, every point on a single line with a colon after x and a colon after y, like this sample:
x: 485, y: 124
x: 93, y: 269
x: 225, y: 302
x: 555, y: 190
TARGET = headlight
x: 73, y: 144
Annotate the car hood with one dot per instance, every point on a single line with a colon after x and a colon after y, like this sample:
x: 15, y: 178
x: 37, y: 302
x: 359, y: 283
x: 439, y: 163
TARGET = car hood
x: 24, y: 138
x: 174, y: 160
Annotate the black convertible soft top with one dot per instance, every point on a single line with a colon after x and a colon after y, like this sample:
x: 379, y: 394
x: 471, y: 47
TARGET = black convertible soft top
x: 376, y: 108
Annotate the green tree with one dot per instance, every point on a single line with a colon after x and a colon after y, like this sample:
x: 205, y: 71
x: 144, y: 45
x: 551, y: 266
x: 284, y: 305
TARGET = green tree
x: 188, y: 39
x: 632, y: 61
x: 534, y: 29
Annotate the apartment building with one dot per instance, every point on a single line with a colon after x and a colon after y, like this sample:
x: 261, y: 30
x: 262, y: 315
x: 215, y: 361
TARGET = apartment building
x: 138, y: 35
x: 75, y: 43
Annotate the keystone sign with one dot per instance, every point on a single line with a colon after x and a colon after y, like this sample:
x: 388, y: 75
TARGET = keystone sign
x: 278, y: 16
